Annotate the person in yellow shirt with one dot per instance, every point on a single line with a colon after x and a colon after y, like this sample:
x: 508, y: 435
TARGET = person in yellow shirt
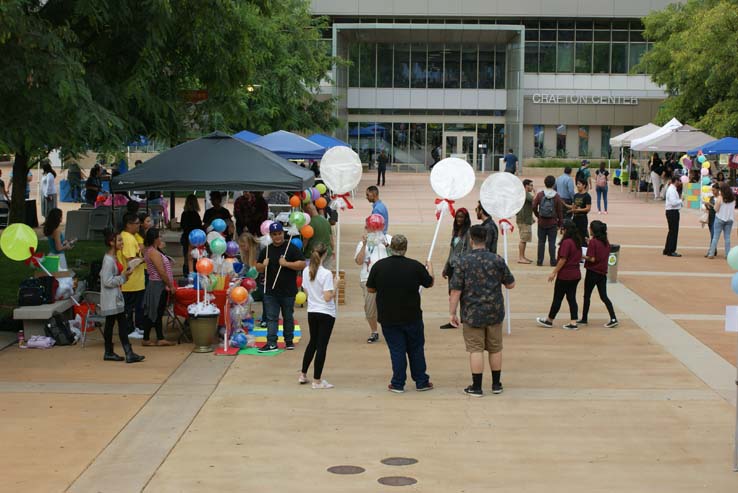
x: 133, y: 288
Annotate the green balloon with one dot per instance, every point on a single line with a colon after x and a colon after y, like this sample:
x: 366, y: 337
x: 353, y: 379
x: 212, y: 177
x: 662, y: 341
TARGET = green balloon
x: 252, y: 273
x: 17, y: 241
x: 218, y: 246
x: 321, y: 188
x: 733, y: 258
x: 297, y: 219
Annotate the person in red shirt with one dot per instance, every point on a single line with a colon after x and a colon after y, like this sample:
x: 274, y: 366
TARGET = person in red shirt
x: 567, y: 276
x: 598, y: 253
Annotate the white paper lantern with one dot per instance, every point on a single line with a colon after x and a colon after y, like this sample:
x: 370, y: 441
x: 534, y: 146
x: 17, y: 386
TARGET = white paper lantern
x: 341, y: 169
x: 502, y: 195
x: 452, y: 178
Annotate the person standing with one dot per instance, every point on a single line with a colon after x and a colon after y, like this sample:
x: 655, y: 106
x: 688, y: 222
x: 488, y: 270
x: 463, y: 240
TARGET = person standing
x: 217, y: 211
x: 524, y: 220
x: 564, y: 186
x: 673, y: 204
x: 549, y: 210
x: 567, y: 276
x: 48, y: 188
x: 490, y: 226
x: 160, y: 285
x: 598, y: 253
x: 55, y: 236
x: 322, y: 234
x: 477, y: 282
x: 397, y: 280
x: 724, y: 214
x: 189, y: 221
x: 371, y: 249
x: 282, y: 261
x: 601, y: 186
x: 657, y: 169
x: 709, y: 215
x: 382, y: 161
x: 378, y: 207
x: 511, y: 162
x: 319, y: 286
x: 584, y: 174
x: 460, y: 244
x: 580, y: 207
x: 134, y: 286
x: 74, y: 177
x: 93, y: 186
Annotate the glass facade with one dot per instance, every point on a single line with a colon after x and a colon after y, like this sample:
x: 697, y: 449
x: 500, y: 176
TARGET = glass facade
x: 561, y: 141
x: 584, y: 140
x: 605, y: 149
x: 538, y: 135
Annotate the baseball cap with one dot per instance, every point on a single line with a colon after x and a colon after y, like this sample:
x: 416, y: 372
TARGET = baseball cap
x: 398, y: 245
x: 584, y: 161
x: 275, y: 227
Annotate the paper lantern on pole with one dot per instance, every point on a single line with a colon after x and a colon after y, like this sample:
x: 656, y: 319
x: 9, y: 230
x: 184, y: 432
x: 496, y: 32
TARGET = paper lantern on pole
x: 301, y: 297
x: 321, y: 203
x: 239, y: 295
x: 218, y: 225
x: 321, y: 188
x: 197, y: 237
x: 17, y: 241
x: 502, y: 195
x: 704, y: 171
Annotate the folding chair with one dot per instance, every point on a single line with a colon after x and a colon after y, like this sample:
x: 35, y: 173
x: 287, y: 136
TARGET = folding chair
x: 173, y: 322
x: 91, y: 319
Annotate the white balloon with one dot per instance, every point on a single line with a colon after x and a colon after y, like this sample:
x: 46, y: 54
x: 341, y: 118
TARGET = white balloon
x: 452, y: 178
x: 341, y: 169
x: 502, y: 195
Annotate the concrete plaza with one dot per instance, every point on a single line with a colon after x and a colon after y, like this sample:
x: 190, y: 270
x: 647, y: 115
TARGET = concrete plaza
x: 648, y: 406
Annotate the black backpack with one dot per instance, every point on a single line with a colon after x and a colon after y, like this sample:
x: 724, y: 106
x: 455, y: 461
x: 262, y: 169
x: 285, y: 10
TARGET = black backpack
x: 547, y: 208
x: 30, y: 292
x: 57, y: 327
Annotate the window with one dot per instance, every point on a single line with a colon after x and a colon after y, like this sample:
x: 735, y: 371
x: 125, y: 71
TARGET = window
x: 583, y: 63
x: 584, y: 140
x: 419, y: 66
x: 547, y: 57
x: 565, y: 57
x: 637, y: 50
x: 353, y: 69
x: 561, y: 141
x: 384, y: 65
x: 619, y: 58
x: 605, y: 149
x: 538, y: 150
x: 499, y: 143
x: 402, y: 65
x: 531, y: 56
x: 486, y: 68
x: 469, y: 67
x: 452, y: 66
x: 400, y: 141
x: 601, y: 61
x: 500, y: 67
x: 367, y: 65
x: 435, y: 66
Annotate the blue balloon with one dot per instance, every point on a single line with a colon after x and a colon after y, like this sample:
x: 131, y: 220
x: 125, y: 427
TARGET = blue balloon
x: 237, y: 267
x: 239, y: 340
x: 706, y: 180
x: 197, y: 237
x: 734, y: 283
x: 218, y: 225
x: 297, y: 242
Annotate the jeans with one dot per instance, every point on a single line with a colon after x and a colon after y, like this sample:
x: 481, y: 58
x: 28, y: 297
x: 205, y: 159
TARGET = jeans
x: 672, y: 219
x: 321, y: 327
x: 132, y: 299
x: 592, y: 279
x: 272, y: 306
x: 406, y: 342
x: 380, y: 175
x: 156, y: 324
x: 601, y: 194
x: 724, y: 227
x: 549, y: 232
x: 564, y: 288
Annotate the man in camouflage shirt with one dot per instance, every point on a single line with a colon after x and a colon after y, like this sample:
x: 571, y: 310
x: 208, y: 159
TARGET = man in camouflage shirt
x: 477, y: 282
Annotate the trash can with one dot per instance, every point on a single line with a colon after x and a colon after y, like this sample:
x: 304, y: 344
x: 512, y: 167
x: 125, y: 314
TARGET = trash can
x: 612, y: 263
x: 204, y: 327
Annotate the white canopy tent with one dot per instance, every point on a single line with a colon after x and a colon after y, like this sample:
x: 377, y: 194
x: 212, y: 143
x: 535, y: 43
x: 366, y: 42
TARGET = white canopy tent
x: 638, y: 144
x: 676, y: 140
x: 624, y: 139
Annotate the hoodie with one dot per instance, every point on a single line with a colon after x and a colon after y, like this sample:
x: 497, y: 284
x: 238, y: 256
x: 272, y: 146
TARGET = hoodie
x: 545, y: 222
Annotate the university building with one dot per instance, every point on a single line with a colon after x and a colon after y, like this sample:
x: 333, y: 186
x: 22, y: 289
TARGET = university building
x: 476, y: 77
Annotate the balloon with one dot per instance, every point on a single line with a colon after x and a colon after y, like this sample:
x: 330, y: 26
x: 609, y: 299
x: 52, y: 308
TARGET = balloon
x: 197, y: 237
x: 17, y: 241
x: 237, y: 267
x: 297, y: 219
x: 295, y: 201
x: 684, y: 179
x: 218, y: 246
x: 252, y: 273
x: 705, y: 171
x: 239, y: 340
x: 733, y: 284
x: 204, y: 266
x: 340, y: 169
x: 301, y: 297
x: 307, y: 232
x: 307, y: 218
x: 706, y: 181
x: 239, y: 295
x: 218, y: 225
x: 307, y: 196
x: 231, y: 248
x: 264, y: 228
x: 375, y: 222
x: 314, y: 194
x: 249, y: 284
x: 701, y: 158
x: 733, y: 258
x: 299, y: 280
x: 502, y: 195
x: 706, y: 164
x: 453, y: 178
x: 297, y: 242
x: 321, y: 203
x: 321, y: 188
x: 687, y: 163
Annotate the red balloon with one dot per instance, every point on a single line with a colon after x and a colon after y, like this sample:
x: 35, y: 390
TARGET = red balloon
x: 248, y: 283
x: 299, y: 281
x: 375, y: 222
x: 295, y: 201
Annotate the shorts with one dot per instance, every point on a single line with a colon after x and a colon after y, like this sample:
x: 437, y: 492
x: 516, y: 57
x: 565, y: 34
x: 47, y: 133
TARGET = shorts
x: 370, y: 303
x: 486, y: 338
x: 526, y: 232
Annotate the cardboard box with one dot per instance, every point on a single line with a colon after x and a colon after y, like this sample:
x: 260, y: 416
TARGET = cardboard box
x: 58, y: 274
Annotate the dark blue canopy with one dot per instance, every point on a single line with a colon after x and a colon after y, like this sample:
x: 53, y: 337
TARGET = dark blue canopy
x: 726, y: 145
x: 326, y: 141
x: 364, y: 132
x: 246, y: 136
x: 290, y: 146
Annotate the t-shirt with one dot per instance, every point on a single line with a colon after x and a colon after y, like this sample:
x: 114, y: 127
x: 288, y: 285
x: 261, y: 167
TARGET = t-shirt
x: 220, y: 213
x: 397, y: 280
x: 381, y: 209
x: 287, y: 280
x: 525, y: 216
x: 321, y: 234
x: 510, y: 162
x: 573, y: 254
x: 492, y: 235
x: 315, y: 289
x: 91, y: 195
x: 136, y: 281
x: 581, y: 200
x: 376, y: 250
x: 601, y: 253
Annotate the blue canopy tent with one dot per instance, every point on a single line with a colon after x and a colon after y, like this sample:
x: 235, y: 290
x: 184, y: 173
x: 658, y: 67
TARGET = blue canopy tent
x: 726, y: 145
x: 327, y: 141
x: 290, y: 146
x: 246, y: 136
x: 363, y: 132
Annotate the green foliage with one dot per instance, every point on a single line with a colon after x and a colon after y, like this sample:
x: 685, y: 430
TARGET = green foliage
x: 694, y: 57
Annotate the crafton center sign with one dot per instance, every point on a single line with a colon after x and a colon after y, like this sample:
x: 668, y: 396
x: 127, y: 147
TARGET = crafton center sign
x: 545, y: 98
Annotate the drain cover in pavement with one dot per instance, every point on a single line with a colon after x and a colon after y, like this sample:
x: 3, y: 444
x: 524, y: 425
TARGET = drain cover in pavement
x: 397, y: 481
x: 399, y: 461
x: 346, y: 469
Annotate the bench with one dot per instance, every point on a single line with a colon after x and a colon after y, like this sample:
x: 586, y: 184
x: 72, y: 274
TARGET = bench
x: 34, y: 317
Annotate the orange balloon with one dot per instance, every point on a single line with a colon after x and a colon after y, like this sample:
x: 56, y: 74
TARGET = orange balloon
x: 321, y: 203
x: 307, y: 231
x: 239, y: 295
x: 295, y: 201
x: 204, y: 266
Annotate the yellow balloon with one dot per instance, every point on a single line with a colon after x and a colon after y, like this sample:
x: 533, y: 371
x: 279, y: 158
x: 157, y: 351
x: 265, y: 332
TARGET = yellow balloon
x: 706, y: 164
x: 17, y: 240
x: 300, y: 298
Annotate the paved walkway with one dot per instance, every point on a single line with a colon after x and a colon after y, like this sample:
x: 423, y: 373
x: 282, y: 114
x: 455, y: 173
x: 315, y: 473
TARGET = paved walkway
x: 648, y: 406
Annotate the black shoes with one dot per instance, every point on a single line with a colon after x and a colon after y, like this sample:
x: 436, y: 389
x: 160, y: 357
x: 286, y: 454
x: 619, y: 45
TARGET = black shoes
x: 111, y: 356
x: 373, y: 338
x: 268, y: 348
x: 289, y: 346
x: 582, y: 321
x: 447, y: 326
x: 470, y: 390
x: 132, y: 357
x: 497, y: 388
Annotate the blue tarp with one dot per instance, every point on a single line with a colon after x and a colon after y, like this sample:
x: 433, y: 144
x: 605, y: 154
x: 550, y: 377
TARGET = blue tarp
x: 247, y: 136
x: 290, y: 146
x: 726, y: 145
x: 326, y: 141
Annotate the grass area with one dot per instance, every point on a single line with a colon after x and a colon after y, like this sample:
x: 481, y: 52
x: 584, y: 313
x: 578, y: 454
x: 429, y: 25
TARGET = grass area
x: 552, y: 163
x: 15, y: 272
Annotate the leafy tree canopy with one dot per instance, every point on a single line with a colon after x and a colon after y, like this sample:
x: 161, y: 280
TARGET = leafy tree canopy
x: 695, y: 57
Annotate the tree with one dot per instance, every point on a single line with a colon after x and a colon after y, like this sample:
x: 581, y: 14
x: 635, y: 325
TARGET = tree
x: 90, y: 74
x: 694, y: 57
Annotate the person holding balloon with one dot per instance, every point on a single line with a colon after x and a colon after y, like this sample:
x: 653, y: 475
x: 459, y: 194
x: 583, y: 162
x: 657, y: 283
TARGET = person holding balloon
x: 371, y: 249
x: 281, y: 261
x: 378, y: 207
x: 161, y: 283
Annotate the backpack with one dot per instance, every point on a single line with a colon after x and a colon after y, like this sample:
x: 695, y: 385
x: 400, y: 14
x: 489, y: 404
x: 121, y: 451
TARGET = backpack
x: 601, y: 180
x: 546, y: 208
x: 93, y: 279
x: 579, y: 176
x: 58, y: 329
x: 37, y: 291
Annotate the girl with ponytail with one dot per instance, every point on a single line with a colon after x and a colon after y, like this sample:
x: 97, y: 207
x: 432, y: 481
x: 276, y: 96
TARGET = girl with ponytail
x: 318, y: 284
x: 596, y: 262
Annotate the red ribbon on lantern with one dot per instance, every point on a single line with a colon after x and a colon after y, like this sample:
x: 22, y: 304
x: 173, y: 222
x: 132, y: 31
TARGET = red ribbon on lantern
x: 505, y: 221
x: 34, y: 259
x: 345, y: 197
x: 450, y: 207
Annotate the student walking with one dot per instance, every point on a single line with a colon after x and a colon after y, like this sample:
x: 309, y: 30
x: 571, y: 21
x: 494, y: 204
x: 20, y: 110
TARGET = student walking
x: 580, y: 207
x: 319, y: 285
x: 548, y: 208
x: 598, y: 253
x: 602, y: 177
x: 724, y: 213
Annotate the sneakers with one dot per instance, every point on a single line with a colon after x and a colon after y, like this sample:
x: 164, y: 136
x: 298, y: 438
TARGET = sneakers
x: 447, y: 326
x: 582, y: 322
x: 497, y: 388
x: 570, y: 326
x: 301, y: 378
x: 428, y: 386
x: 612, y: 324
x: 136, y: 334
x: 470, y: 390
x: 544, y: 323
x: 396, y: 390
x: 263, y: 324
x: 289, y: 346
x: 268, y: 348
x: 323, y: 385
x: 373, y: 338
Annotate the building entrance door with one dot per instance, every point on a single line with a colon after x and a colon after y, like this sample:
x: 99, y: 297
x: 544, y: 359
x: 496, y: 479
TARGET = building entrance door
x: 460, y: 144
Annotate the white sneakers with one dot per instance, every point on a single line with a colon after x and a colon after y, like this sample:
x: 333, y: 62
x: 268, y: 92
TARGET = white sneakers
x: 136, y: 334
x: 323, y: 385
